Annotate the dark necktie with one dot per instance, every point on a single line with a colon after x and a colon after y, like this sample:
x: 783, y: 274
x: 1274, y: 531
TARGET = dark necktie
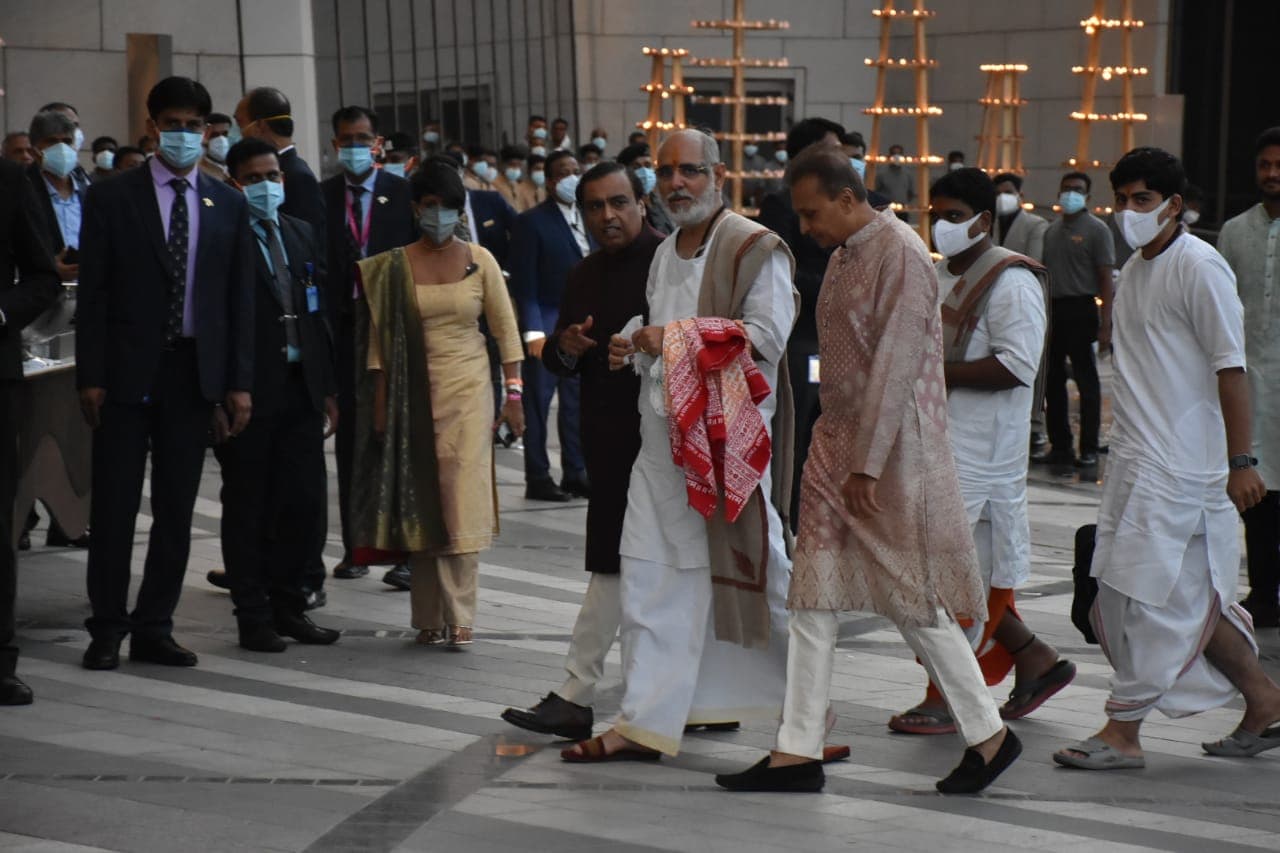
x: 283, y: 283
x: 357, y: 221
x: 179, y: 234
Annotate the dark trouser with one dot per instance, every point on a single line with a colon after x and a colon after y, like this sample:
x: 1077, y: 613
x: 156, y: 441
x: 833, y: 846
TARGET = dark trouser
x: 540, y: 385
x: 174, y: 426
x: 1075, y: 328
x: 8, y: 556
x: 273, y: 487
x: 1262, y: 541
x: 345, y: 440
x: 807, y: 411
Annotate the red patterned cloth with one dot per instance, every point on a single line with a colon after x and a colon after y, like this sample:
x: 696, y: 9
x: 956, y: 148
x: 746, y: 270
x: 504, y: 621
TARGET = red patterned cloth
x: 717, y: 434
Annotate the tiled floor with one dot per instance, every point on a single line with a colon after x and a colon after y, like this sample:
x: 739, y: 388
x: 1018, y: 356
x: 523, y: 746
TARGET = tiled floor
x: 379, y: 744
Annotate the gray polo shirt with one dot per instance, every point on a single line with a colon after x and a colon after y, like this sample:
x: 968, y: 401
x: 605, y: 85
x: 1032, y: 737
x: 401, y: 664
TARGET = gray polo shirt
x: 1073, y: 251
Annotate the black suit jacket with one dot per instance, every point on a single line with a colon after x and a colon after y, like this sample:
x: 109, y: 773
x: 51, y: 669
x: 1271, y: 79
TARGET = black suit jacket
x: 495, y: 218
x: 270, y: 364
x: 390, y: 225
x: 302, y: 197
x: 53, y: 234
x: 125, y: 274
x: 24, y: 256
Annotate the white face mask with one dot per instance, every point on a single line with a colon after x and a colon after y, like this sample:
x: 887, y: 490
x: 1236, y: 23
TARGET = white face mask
x: 1190, y: 217
x: 952, y: 238
x: 1139, y: 229
x: 1006, y: 203
x: 954, y: 165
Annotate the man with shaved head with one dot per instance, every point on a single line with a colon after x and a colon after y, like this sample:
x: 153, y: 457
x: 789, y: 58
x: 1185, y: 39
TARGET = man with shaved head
x: 703, y: 556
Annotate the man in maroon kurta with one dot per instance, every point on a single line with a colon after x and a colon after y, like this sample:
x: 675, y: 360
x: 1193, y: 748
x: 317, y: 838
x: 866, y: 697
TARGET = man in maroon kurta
x: 604, y: 291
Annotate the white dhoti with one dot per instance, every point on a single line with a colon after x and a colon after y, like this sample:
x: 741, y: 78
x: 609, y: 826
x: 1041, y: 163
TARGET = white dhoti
x: 942, y: 649
x: 593, y: 636
x: 677, y: 672
x: 1158, y: 651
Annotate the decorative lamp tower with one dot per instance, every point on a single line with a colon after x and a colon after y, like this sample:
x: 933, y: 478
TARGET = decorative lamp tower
x: 659, y: 91
x: 737, y: 136
x: 1093, y: 71
x: 1000, y: 144
x: 921, y: 111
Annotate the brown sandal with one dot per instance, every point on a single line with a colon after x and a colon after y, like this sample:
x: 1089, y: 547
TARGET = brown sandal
x: 430, y: 637
x: 593, y: 752
x: 460, y: 635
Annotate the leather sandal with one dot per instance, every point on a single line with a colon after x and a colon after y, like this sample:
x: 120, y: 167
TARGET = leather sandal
x: 459, y: 635
x: 938, y: 722
x: 593, y: 751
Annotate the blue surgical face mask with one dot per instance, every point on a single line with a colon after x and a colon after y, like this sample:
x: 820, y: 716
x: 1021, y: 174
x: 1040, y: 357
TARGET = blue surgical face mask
x: 780, y: 155
x: 356, y: 159
x: 1071, y: 202
x: 539, y: 179
x: 180, y: 148
x: 77, y: 139
x: 567, y: 188
x: 265, y: 198
x: 218, y: 148
x: 431, y: 137
x: 538, y: 151
x: 234, y: 134
x: 859, y: 166
x: 513, y: 175
x: 59, y: 159
x: 396, y: 169
x: 539, y: 133
x: 648, y: 178
x: 438, y: 223
x: 750, y: 150
x: 599, y: 142
x: 105, y: 159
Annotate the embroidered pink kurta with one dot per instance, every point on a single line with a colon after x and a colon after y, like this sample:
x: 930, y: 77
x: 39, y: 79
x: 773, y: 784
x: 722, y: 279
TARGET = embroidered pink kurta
x: 884, y: 414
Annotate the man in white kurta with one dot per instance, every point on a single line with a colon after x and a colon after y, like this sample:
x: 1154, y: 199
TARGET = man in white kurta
x: 1167, y: 555
x: 1250, y: 243
x: 675, y: 671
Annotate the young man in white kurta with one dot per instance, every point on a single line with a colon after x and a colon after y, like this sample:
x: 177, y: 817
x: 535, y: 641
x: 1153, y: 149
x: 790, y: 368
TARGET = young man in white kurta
x: 1167, y: 555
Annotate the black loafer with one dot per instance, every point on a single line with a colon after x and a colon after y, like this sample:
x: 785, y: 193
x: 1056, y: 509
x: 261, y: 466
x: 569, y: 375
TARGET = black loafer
x: 973, y: 774
x: 164, y: 651
x: 579, y: 487
x: 259, y: 637
x: 399, y: 577
x: 57, y: 538
x: 13, y: 691
x: 302, y: 629
x: 1053, y: 456
x: 806, y: 778
x: 218, y: 578
x: 554, y: 716
x: 349, y: 572
x: 102, y: 654
x: 546, y: 490
x: 1087, y: 460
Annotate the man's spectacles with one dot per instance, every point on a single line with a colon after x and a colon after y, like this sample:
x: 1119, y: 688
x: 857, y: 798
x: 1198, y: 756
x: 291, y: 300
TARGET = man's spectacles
x: 618, y: 203
x: 688, y: 171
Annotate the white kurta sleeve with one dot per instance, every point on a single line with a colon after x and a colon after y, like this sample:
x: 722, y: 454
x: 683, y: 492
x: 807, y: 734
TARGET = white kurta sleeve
x: 1015, y: 318
x: 1215, y: 313
x: 769, y: 308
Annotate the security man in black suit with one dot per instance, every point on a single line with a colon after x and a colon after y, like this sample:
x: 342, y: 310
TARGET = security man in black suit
x: 28, y: 286
x: 164, y: 331
x: 368, y: 211
x: 273, y: 480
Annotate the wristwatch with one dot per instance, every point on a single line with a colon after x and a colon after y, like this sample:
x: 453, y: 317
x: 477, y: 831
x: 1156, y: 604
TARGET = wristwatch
x: 1241, y: 462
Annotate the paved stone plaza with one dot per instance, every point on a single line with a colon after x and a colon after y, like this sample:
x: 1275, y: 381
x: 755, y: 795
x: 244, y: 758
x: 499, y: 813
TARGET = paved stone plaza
x: 379, y: 744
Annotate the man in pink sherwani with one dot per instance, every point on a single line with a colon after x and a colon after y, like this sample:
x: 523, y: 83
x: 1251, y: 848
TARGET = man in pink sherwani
x: 882, y: 523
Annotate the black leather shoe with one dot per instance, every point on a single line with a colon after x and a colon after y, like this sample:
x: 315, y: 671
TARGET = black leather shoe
x: 1053, y: 456
x: 218, y: 578
x: 1038, y: 440
x: 57, y: 538
x: 164, y: 651
x: 259, y: 637
x: 554, y: 716
x: 398, y: 576
x: 314, y: 598
x: 349, y: 572
x: 302, y: 629
x: 24, y: 541
x: 806, y: 778
x: 579, y: 487
x: 712, y: 727
x: 102, y: 654
x: 13, y: 691
x: 1087, y: 460
x: 973, y: 774
x: 546, y: 490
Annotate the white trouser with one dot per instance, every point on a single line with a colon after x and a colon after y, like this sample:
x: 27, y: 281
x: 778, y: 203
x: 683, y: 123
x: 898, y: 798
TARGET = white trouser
x: 593, y: 635
x: 942, y: 649
x: 676, y: 672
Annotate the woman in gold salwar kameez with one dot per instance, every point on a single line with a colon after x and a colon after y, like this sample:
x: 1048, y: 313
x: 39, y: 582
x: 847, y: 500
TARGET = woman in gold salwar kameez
x: 424, y: 424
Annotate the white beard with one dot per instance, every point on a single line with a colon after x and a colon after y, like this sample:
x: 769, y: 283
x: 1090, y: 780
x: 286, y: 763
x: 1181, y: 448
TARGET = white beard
x: 699, y: 211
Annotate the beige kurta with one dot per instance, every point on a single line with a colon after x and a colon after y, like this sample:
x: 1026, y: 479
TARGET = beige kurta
x: 462, y: 395
x: 884, y: 414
